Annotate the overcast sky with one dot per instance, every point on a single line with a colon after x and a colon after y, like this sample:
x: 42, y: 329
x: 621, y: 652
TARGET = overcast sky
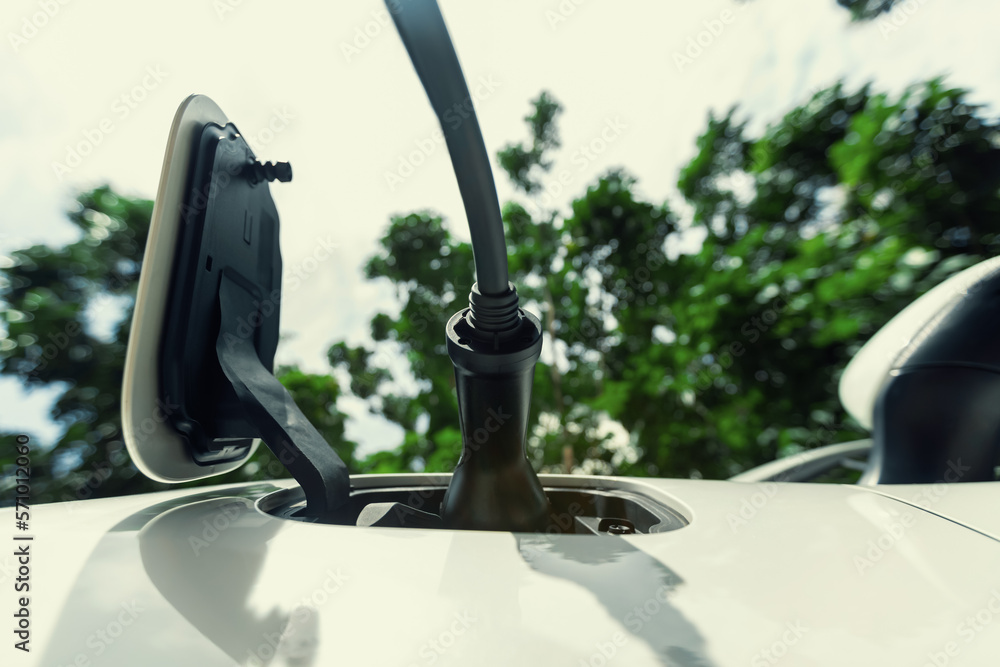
x: 334, y: 81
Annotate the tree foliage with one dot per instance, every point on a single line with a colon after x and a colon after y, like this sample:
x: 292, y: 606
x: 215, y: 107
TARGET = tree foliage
x: 800, y: 243
x: 56, y: 304
x: 815, y: 234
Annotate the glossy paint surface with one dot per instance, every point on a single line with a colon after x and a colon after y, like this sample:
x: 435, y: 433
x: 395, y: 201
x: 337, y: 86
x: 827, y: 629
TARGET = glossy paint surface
x: 765, y: 574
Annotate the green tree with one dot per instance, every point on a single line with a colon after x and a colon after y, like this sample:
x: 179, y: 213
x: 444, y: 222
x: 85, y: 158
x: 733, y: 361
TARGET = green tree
x: 50, y: 299
x: 815, y: 234
x: 809, y: 237
x: 857, y: 204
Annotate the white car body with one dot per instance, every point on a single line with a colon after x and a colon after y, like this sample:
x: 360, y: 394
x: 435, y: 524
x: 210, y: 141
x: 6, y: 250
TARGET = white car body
x: 763, y: 574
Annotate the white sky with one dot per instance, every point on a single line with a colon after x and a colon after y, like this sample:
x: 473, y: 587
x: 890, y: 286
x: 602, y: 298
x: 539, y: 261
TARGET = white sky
x: 353, y: 118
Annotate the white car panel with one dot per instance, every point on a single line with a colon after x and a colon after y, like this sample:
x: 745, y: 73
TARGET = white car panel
x: 792, y: 574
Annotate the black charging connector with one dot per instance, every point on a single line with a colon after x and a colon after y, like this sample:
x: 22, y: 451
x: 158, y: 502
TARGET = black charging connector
x: 493, y: 343
x: 494, y: 348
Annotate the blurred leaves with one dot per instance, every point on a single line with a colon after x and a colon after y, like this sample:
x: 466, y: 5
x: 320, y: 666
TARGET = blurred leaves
x: 696, y: 343
x: 706, y: 362
x: 66, y: 314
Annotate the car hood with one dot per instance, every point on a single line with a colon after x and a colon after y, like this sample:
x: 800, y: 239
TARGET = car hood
x: 764, y: 574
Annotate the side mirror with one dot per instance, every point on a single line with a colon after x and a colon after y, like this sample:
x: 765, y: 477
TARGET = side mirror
x: 928, y: 384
